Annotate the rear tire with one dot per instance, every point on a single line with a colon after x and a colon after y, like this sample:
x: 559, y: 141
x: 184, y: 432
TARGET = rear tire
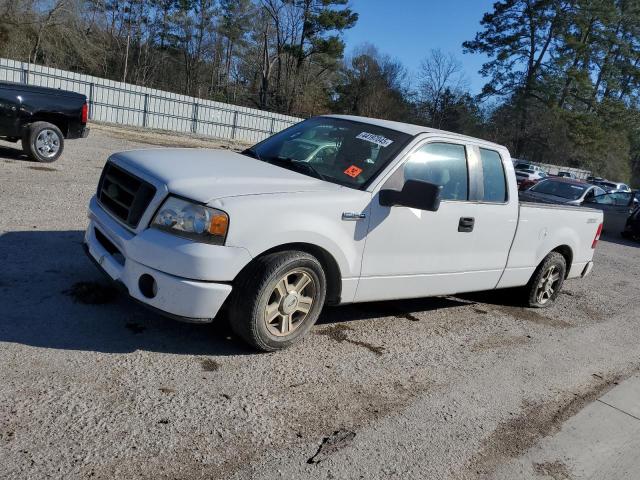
x: 277, y: 300
x: 43, y: 142
x: 546, y: 282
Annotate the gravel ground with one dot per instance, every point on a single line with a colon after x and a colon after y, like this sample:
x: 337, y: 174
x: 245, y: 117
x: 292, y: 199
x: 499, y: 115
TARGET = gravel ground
x: 443, y: 388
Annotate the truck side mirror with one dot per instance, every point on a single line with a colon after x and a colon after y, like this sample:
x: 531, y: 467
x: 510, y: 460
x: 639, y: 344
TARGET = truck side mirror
x: 414, y: 194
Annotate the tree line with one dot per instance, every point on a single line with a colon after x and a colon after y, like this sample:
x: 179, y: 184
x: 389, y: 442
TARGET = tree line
x: 562, y: 76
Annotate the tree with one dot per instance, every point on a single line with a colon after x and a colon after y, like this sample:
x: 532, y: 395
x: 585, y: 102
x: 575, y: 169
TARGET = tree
x: 442, y: 84
x: 517, y: 36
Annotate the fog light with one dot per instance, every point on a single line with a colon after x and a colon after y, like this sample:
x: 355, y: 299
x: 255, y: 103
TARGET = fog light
x: 148, y: 286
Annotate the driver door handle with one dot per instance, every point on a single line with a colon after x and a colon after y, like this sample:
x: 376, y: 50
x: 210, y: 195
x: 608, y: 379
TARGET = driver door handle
x: 465, y: 225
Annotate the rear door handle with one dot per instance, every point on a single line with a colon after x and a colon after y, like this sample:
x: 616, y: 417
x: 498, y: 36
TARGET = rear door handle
x: 465, y: 224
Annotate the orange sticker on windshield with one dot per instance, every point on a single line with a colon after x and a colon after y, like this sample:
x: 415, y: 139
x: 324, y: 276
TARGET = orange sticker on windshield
x: 353, y: 171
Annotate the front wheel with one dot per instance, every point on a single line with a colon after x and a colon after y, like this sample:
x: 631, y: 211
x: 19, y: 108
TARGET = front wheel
x: 546, y: 282
x: 278, y: 299
x: 43, y: 142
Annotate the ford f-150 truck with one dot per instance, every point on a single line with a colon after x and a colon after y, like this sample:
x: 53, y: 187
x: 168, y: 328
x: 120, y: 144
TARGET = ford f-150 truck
x: 272, y: 234
x: 41, y: 118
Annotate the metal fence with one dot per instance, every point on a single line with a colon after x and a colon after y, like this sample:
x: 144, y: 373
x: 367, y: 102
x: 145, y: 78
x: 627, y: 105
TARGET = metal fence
x: 127, y: 104
x: 555, y: 169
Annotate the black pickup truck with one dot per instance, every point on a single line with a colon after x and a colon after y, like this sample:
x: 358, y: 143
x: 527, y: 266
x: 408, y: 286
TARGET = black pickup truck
x: 42, y: 118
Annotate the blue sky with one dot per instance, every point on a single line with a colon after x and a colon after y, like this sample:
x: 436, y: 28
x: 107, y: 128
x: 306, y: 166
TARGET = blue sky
x: 408, y: 29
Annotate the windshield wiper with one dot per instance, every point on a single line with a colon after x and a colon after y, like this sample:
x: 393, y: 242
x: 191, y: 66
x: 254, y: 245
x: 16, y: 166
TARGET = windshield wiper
x: 297, y: 164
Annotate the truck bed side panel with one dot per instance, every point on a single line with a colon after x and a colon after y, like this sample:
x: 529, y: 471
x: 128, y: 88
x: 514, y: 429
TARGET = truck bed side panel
x: 543, y: 228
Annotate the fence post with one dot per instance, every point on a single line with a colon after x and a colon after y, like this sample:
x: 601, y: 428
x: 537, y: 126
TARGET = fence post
x: 194, y: 120
x: 91, y: 87
x: 145, y: 109
x: 271, y: 128
x: 235, y: 125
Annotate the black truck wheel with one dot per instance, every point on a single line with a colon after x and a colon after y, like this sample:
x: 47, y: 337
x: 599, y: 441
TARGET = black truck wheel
x: 277, y: 300
x: 546, y: 282
x: 43, y: 142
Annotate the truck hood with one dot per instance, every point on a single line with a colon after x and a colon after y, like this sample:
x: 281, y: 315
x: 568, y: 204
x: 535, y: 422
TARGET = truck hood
x: 207, y: 175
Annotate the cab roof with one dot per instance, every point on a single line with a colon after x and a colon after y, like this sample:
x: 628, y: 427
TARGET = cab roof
x: 410, y: 128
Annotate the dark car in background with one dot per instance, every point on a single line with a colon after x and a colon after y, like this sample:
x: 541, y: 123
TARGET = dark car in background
x: 617, y: 207
x: 559, y: 190
x: 41, y: 118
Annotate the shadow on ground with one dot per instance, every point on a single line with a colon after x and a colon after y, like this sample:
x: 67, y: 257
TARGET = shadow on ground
x: 14, y: 153
x: 54, y: 297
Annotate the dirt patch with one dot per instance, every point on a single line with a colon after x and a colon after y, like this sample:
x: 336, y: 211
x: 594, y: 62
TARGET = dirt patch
x: 209, y: 365
x: 514, y: 437
x: 168, y: 139
x: 91, y: 293
x: 44, y: 169
x: 495, y: 342
x: 336, y: 441
x: 339, y: 334
x: 556, y: 470
x: 532, y: 315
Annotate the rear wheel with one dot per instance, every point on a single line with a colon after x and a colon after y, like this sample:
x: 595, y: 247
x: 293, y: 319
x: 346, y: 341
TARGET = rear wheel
x: 277, y: 300
x: 546, y: 282
x: 43, y: 142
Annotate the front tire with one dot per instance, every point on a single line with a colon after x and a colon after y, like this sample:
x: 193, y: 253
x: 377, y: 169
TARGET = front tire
x: 546, y: 282
x: 43, y: 142
x: 278, y: 299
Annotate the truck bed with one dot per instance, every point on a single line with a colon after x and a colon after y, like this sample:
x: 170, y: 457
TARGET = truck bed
x: 543, y: 227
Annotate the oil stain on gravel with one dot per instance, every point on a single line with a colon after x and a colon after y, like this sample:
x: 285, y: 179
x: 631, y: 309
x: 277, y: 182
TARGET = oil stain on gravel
x: 209, y: 365
x: 91, y: 293
x: 338, y: 333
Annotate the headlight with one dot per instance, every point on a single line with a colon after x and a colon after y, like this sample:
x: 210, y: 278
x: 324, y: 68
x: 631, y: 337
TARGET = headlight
x: 191, y: 220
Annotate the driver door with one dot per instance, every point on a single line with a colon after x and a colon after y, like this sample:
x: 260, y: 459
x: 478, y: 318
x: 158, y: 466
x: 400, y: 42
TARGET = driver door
x: 412, y: 253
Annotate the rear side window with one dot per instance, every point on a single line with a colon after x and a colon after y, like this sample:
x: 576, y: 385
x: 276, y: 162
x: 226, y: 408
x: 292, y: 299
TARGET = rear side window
x: 443, y: 164
x: 495, y: 182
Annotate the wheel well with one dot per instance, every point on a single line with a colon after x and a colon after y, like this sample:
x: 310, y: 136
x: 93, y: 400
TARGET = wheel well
x: 329, y: 265
x: 567, y: 253
x: 59, y: 121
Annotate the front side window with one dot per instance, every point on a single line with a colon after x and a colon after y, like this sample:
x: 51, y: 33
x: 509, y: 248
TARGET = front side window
x: 493, y: 178
x: 333, y: 149
x: 443, y: 164
x: 619, y: 199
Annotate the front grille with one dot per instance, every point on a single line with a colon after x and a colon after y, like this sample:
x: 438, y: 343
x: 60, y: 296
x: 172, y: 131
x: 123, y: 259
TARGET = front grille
x: 124, y: 195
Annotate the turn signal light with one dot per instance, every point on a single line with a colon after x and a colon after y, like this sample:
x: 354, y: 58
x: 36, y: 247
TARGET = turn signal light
x: 219, y: 225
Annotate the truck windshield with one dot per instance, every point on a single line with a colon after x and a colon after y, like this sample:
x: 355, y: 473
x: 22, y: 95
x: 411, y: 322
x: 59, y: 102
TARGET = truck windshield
x: 336, y: 150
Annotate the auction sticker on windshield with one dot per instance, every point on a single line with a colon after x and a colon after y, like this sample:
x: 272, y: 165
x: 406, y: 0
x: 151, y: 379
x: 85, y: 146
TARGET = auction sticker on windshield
x: 353, y: 171
x: 377, y: 139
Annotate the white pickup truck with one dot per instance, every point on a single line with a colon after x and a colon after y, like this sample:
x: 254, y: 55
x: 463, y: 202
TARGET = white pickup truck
x: 333, y: 210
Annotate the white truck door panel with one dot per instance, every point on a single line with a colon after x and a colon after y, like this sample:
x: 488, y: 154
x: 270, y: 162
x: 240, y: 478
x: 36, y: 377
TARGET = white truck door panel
x: 412, y: 253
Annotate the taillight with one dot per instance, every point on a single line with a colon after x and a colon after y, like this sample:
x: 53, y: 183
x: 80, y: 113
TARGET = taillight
x: 85, y: 113
x: 598, y: 233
